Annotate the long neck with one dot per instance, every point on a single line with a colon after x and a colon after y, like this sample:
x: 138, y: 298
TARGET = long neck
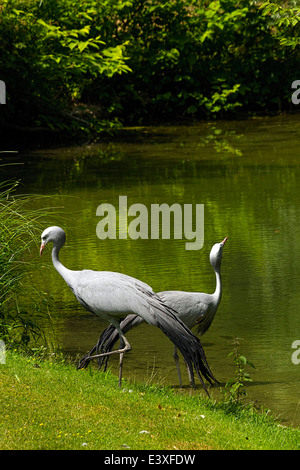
x: 60, y: 268
x: 218, y: 292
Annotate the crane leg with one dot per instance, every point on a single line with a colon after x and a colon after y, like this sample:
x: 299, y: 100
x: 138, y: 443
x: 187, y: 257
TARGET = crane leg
x: 84, y: 361
x: 122, y: 350
x: 121, y: 369
x: 176, y: 359
x: 192, y: 382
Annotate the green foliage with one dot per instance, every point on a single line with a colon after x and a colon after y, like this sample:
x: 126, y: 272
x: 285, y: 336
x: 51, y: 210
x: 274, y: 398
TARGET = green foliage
x: 201, y: 59
x: 50, y: 53
x: 236, y: 386
x: 286, y: 20
x: 77, y: 66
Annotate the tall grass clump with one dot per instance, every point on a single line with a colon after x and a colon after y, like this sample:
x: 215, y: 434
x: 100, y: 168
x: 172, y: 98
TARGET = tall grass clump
x: 20, y: 224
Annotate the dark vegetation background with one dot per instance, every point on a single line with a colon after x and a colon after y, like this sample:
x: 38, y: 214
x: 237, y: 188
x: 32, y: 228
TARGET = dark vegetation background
x: 84, y: 67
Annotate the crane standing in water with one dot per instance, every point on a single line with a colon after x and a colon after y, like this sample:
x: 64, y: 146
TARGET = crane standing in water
x: 195, y: 309
x: 112, y: 295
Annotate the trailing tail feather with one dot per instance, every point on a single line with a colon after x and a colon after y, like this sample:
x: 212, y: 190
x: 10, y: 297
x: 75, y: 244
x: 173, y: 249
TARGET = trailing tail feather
x: 187, y: 343
x: 166, y: 319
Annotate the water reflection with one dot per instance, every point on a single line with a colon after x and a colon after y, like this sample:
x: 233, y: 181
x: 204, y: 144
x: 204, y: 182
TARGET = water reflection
x: 247, y: 175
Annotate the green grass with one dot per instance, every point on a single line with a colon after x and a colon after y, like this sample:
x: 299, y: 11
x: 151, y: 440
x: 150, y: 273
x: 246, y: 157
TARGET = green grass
x: 51, y: 405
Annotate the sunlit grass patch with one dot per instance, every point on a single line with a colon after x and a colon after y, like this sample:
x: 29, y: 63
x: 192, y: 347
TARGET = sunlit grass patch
x: 54, y: 406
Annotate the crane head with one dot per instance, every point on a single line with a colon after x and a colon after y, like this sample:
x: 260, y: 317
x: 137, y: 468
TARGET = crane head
x: 54, y: 234
x: 224, y: 241
x: 216, y: 253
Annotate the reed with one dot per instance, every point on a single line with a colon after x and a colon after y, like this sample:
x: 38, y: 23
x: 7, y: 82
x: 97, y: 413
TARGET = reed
x: 20, y: 225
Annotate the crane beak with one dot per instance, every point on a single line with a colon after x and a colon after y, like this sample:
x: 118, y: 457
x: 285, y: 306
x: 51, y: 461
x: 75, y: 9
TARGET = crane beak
x: 42, y: 248
x: 224, y: 241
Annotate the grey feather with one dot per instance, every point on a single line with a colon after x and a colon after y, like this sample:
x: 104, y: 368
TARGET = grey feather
x: 194, y: 309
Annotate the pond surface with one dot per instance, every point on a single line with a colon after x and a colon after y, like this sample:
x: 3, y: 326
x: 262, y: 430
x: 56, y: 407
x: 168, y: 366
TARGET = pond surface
x: 247, y: 175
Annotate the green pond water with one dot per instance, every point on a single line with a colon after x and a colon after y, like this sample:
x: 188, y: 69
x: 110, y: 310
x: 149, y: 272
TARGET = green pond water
x: 247, y: 175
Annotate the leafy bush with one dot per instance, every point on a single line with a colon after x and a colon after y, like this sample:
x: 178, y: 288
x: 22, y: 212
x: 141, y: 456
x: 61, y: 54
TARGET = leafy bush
x: 50, y: 52
x: 286, y: 21
x: 199, y: 59
x: 65, y: 62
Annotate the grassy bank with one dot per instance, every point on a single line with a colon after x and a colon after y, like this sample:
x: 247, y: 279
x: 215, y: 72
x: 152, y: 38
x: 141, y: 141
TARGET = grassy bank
x: 51, y: 405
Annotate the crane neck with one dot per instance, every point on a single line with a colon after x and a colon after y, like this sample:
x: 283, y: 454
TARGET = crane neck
x: 218, y: 291
x: 60, y: 268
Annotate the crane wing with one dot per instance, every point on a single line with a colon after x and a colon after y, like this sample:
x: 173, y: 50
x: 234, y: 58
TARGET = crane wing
x: 111, y: 295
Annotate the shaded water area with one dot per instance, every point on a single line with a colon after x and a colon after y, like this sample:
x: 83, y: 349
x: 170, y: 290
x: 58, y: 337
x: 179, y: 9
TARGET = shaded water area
x: 247, y: 175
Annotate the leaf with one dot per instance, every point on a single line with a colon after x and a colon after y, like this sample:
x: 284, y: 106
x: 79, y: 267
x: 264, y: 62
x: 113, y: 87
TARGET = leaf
x: 192, y: 109
x: 236, y: 386
x: 72, y: 45
x: 247, y: 377
x: 84, y: 31
x: 243, y: 360
x: 82, y: 45
x: 250, y: 364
